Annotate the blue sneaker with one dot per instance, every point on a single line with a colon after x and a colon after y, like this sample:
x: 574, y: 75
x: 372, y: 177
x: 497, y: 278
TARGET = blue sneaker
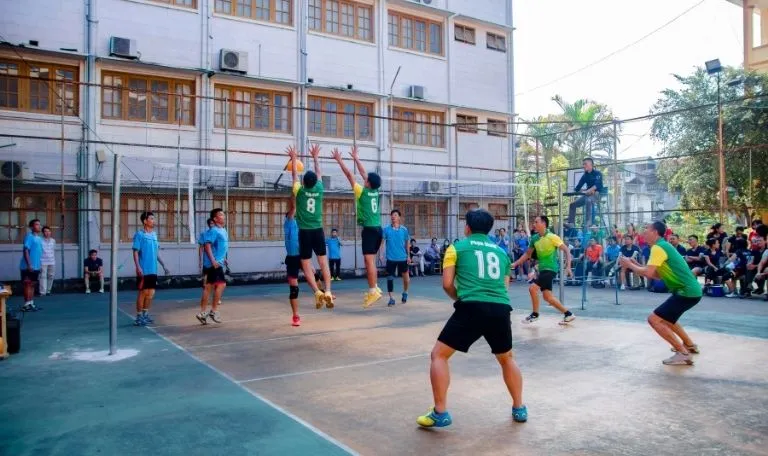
x: 405, y: 298
x: 391, y: 302
x: 520, y: 414
x: 140, y: 321
x: 434, y: 419
x: 147, y: 318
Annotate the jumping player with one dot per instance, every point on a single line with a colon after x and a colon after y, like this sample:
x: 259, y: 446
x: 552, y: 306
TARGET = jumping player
x: 475, y: 276
x: 309, y: 217
x: 396, y: 239
x: 146, y: 256
x: 545, y: 244
x: 292, y: 258
x: 666, y: 264
x: 367, y: 200
x: 216, y: 247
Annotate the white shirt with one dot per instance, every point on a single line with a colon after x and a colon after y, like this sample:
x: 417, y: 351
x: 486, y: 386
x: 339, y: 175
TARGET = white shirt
x: 48, y: 257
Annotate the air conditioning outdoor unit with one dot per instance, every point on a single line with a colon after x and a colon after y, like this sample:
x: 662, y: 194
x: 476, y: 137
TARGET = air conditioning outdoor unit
x: 236, y: 61
x: 426, y: 2
x: 432, y: 187
x: 246, y: 179
x: 15, y: 170
x: 123, y: 47
x: 417, y: 92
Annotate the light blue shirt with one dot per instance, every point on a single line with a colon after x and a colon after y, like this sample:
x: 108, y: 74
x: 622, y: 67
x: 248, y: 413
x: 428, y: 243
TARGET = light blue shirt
x: 219, y: 240
x: 395, y: 243
x: 201, y: 238
x: 291, y: 233
x: 612, y: 252
x: 147, y: 246
x: 334, y: 248
x: 34, y: 244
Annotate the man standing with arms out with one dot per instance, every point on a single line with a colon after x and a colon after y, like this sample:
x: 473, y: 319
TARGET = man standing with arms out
x: 201, y: 247
x: 292, y: 259
x: 476, y: 277
x: 48, y: 262
x: 93, y: 266
x: 31, y: 264
x: 146, y: 255
x: 368, y: 216
x: 216, y: 247
x: 666, y: 264
x: 309, y: 216
x: 546, y: 244
x: 396, y: 239
x: 592, y: 179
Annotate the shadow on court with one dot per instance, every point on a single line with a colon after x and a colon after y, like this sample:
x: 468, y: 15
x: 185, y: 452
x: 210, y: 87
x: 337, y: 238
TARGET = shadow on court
x: 355, y: 380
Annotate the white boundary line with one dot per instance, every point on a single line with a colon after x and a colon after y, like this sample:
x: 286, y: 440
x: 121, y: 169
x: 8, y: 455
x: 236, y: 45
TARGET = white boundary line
x: 272, y: 339
x: 256, y: 395
x: 330, y: 369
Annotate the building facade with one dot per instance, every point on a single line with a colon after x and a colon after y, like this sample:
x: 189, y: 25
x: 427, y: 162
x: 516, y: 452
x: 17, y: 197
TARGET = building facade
x: 183, y: 81
x: 755, y: 33
x: 642, y: 196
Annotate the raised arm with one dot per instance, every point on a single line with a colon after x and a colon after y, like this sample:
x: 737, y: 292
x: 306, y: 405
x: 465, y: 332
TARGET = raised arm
x: 337, y: 156
x: 291, y: 151
x: 291, y: 207
x: 358, y: 163
x: 314, y: 151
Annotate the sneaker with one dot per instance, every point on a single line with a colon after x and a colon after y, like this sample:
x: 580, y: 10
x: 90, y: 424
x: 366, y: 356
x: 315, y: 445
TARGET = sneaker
x: 391, y: 302
x: 567, y: 319
x: 147, y: 318
x: 694, y: 349
x: 215, y: 316
x: 679, y: 359
x: 319, y: 299
x: 296, y: 321
x: 87, y: 291
x: 139, y: 321
x: 329, y: 300
x: 404, y: 299
x: 732, y: 295
x: 202, y: 317
x: 623, y: 287
x: 101, y: 290
x: 434, y: 419
x: 520, y: 414
x: 30, y: 307
x: 371, y: 298
x: 531, y: 318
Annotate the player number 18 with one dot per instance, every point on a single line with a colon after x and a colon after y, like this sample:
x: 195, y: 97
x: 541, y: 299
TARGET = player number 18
x: 494, y: 265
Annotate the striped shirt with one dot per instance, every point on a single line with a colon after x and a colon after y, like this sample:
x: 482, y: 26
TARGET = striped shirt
x: 49, y: 244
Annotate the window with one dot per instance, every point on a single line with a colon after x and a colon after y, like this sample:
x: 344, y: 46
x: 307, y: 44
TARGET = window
x: 253, y: 218
x: 498, y: 211
x: 39, y: 87
x: 340, y: 214
x: 344, y: 18
x: 131, y: 207
x: 410, y: 32
x: 338, y: 120
x: 496, y: 42
x: 147, y: 99
x: 424, y: 219
x: 277, y: 11
x: 253, y: 109
x: 497, y: 127
x: 184, y: 3
x: 420, y: 128
x: 464, y: 34
x: 17, y: 209
x: 465, y: 123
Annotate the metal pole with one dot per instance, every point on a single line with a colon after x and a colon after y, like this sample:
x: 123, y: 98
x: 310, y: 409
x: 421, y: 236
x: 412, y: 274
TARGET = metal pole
x: 179, y: 113
x: 354, y: 173
x: 721, y: 155
x: 113, y: 257
x: 62, y: 205
x: 538, y: 181
x: 561, y: 284
x: 226, y: 159
x: 615, y: 173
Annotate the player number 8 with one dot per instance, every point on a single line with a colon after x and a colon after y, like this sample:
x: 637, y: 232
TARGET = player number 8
x: 374, y: 205
x: 311, y: 205
x: 494, y: 265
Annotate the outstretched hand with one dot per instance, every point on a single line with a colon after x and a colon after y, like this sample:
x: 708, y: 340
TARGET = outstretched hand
x: 314, y: 151
x: 291, y: 151
x: 353, y: 153
x: 336, y: 154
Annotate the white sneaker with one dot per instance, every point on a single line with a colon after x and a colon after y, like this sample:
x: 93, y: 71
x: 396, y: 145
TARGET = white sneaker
x: 215, y: 316
x: 101, y: 291
x: 679, y: 359
x: 202, y: 317
x: 567, y: 319
x: 623, y: 287
x: 87, y: 291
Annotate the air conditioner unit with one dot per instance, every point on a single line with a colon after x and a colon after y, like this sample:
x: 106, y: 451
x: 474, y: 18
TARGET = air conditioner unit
x: 327, y: 182
x: 432, y: 187
x: 417, y: 92
x: 15, y: 170
x: 123, y: 47
x: 236, y: 61
x: 246, y: 179
x: 426, y: 2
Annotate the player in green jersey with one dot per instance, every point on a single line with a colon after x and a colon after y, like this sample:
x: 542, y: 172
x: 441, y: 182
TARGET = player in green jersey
x: 546, y: 244
x: 368, y: 216
x: 476, y: 277
x: 309, y: 216
x: 669, y: 266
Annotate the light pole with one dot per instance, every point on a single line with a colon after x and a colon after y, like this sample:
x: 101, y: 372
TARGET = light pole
x: 714, y: 67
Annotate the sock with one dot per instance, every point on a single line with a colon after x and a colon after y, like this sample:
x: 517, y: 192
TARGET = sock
x: 535, y: 314
x: 372, y: 290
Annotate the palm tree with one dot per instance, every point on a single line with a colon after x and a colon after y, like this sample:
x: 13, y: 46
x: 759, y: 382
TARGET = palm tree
x: 588, y: 129
x: 547, y: 131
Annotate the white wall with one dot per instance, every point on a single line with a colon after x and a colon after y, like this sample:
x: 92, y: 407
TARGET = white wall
x: 488, y: 10
x: 54, y: 23
x: 359, y: 65
x: 485, y: 89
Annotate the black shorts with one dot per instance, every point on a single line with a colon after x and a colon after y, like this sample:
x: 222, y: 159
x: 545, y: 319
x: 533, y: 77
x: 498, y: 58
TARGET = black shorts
x: 544, y: 280
x: 673, y: 308
x: 471, y: 320
x: 148, y: 282
x: 397, y: 268
x: 29, y: 276
x: 214, y: 276
x: 311, y: 241
x: 292, y: 266
x: 371, y: 237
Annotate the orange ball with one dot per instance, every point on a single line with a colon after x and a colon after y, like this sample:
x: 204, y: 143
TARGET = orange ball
x: 299, y: 165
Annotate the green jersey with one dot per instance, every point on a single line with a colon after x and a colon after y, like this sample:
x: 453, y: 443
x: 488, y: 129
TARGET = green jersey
x: 546, y: 250
x: 367, y: 206
x: 309, y: 206
x: 673, y: 270
x: 481, y: 269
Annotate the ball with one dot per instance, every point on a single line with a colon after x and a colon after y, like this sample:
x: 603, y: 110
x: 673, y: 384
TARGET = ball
x: 299, y: 165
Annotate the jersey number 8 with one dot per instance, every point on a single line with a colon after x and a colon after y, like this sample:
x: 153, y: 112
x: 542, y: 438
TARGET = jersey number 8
x: 311, y: 205
x: 374, y: 205
x: 494, y: 265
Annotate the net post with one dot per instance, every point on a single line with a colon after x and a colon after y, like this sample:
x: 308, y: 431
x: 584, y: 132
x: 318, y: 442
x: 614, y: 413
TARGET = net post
x: 226, y: 160
x: 190, y: 191
x: 113, y: 255
x: 561, y: 285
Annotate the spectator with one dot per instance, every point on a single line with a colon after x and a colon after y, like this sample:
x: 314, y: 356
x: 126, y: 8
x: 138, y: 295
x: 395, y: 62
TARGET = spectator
x: 503, y: 240
x: 417, y: 259
x: 520, y: 247
x: 493, y: 237
x: 695, y: 256
x: 714, y: 270
x: 334, y: 254
x: 594, y: 256
x: 675, y: 241
x: 432, y: 255
x: 48, y: 262
x: 718, y: 233
x: 93, y: 267
x: 616, y: 234
x: 577, y: 253
x: 30, y: 264
x: 754, y: 260
x: 612, y: 252
x: 738, y: 241
x: 753, y: 231
x: 592, y: 180
x: 629, y: 250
